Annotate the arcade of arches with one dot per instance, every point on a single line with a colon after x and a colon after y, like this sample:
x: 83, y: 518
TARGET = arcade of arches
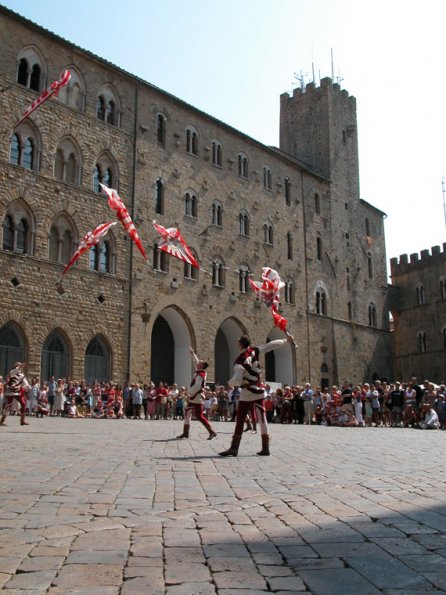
x: 172, y: 333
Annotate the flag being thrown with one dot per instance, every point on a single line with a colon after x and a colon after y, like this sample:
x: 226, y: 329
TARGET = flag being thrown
x: 115, y: 202
x: 268, y: 292
x: 53, y: 89
x: 173, y: 243
x: 89, y: 240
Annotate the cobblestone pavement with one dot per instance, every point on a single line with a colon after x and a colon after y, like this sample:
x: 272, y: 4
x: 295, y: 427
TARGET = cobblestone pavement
x: 109, y: 507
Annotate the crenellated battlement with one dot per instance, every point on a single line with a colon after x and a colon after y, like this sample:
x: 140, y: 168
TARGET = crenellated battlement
x: 406, y: 263
x: 312, y: 91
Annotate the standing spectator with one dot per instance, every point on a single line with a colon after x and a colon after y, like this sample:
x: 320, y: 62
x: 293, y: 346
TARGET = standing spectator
x: 59, y: 399
x: 136, y: 401
x: 307, y: 398
x: 52, y: 385
x: 151, y: 401
x: 161, y: 400
x: 222, y: 397
x: 33, y: 396
x: 397, y: 402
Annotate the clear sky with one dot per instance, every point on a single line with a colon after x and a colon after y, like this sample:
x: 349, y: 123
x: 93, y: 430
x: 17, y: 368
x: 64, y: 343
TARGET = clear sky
x: 233, y: 59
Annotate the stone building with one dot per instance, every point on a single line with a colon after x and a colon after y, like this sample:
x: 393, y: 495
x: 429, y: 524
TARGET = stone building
x: 418, y: 306
x: 240, y: 205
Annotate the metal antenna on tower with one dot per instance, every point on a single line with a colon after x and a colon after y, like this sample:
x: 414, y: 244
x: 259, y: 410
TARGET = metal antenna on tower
x: 300, y: 78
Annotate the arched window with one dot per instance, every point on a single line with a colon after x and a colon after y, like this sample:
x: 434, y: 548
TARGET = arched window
x: 267, y: 178
x: 55, y: 357
x: 243, y: 222
x: 74, y: 91
x: 317, y: 204
x: 28, y: 154
x: 22, y: 72
x: 97, y: 361
x: 217, y: 156
x: 67, y: 162
x: 21, y: 236
x: 243, y: 277
x: 289, y: 292
x: 369, y: 266
x: 289, y: 246
x: 218, y: 277
x: 104, y: 257
x: 66, y: 248
x: 321, y: 302
x: 372, y: 314
x: 190, y: 205
x: 18, y: 229
x: 34, y: 81
x: 242, y: 165
x: 159, y: 197
x: 111, y: 112
x: 161, y: 123
x: 105, y: 172
x: 12, y: 347
x: 192, y: 141
x: 268, y: 237
x: 15, y: 150
x: 217, y: 214
x: 53, y: 247
x: 319, y: 248
x: 287, y: 183
x: 422, y: 342
x: 191, y: 272
x: 367, y: 227
x: 350, y: 310
x: 100, y: 108
x: 160, y: 262
x: 420, y: 296
x: 8, y: 233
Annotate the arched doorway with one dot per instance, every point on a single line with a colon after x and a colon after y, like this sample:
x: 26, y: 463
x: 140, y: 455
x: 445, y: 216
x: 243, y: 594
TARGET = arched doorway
x: 324, y: 376
x: 55, y: 357
x: 97, y: 361
x: 171, y: 338
x: 12, y: 347
x: 279, y: 366
x: 226, y: 349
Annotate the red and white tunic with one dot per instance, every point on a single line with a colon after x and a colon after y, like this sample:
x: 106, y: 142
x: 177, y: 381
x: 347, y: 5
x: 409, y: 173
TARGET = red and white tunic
x: 247, y: 372
x: 196, y: 390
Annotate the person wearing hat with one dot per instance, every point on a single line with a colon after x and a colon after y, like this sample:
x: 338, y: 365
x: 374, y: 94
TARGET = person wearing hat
x: 197, y: 394
x: 247, y: 375
x: 16, y: 387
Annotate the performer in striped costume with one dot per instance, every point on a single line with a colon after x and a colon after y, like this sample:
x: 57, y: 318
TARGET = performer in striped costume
x: 247, y: 375
x: 15, y: 389
x: 196, y: 393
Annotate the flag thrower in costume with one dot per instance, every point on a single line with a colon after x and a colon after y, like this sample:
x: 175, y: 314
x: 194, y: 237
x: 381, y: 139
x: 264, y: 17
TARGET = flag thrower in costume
x: 173, y: 243
x: 115, y: 202
x: 89, y: 240
x: 53, y: 89
x: 268, y: 292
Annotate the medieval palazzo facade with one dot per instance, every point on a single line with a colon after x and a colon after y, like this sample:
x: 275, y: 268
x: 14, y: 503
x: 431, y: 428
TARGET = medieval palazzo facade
x: 240, y: 205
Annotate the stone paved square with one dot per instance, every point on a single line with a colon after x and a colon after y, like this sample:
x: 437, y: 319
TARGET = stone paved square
x: 121, y: 506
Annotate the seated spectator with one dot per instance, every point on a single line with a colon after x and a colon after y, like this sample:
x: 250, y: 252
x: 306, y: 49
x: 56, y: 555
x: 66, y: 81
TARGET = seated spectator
x: 429, y: 418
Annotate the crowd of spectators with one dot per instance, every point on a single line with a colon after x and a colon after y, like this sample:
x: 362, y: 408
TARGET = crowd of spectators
x: 379, y: 404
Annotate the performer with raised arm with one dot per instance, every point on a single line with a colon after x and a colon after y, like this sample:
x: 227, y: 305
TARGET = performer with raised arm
x: 247, y: 375
x: 15, y: 389
x: 196, y: 395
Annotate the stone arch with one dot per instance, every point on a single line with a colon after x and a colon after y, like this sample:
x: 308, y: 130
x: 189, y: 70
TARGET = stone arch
x: 33, y: 56
x: 13, y: 345
x: 98, y: 359
x: 73, y: 94
x: 280, y: 364
x: 226, y: 349
x: 172, y: 335
x: 57, y: 355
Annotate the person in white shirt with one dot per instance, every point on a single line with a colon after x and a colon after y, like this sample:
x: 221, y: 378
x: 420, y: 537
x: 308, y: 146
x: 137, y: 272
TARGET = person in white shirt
x: 429, y: 418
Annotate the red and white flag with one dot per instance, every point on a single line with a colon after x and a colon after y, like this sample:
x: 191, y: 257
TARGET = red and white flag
x: 89, y: 240
x: 268, y: 292
x: 115, y: 202
x: 53, y: 89
x: 173, y: 243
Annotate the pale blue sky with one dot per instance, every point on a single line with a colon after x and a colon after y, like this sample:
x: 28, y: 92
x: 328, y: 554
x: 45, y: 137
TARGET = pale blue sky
x: 233, y: 59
